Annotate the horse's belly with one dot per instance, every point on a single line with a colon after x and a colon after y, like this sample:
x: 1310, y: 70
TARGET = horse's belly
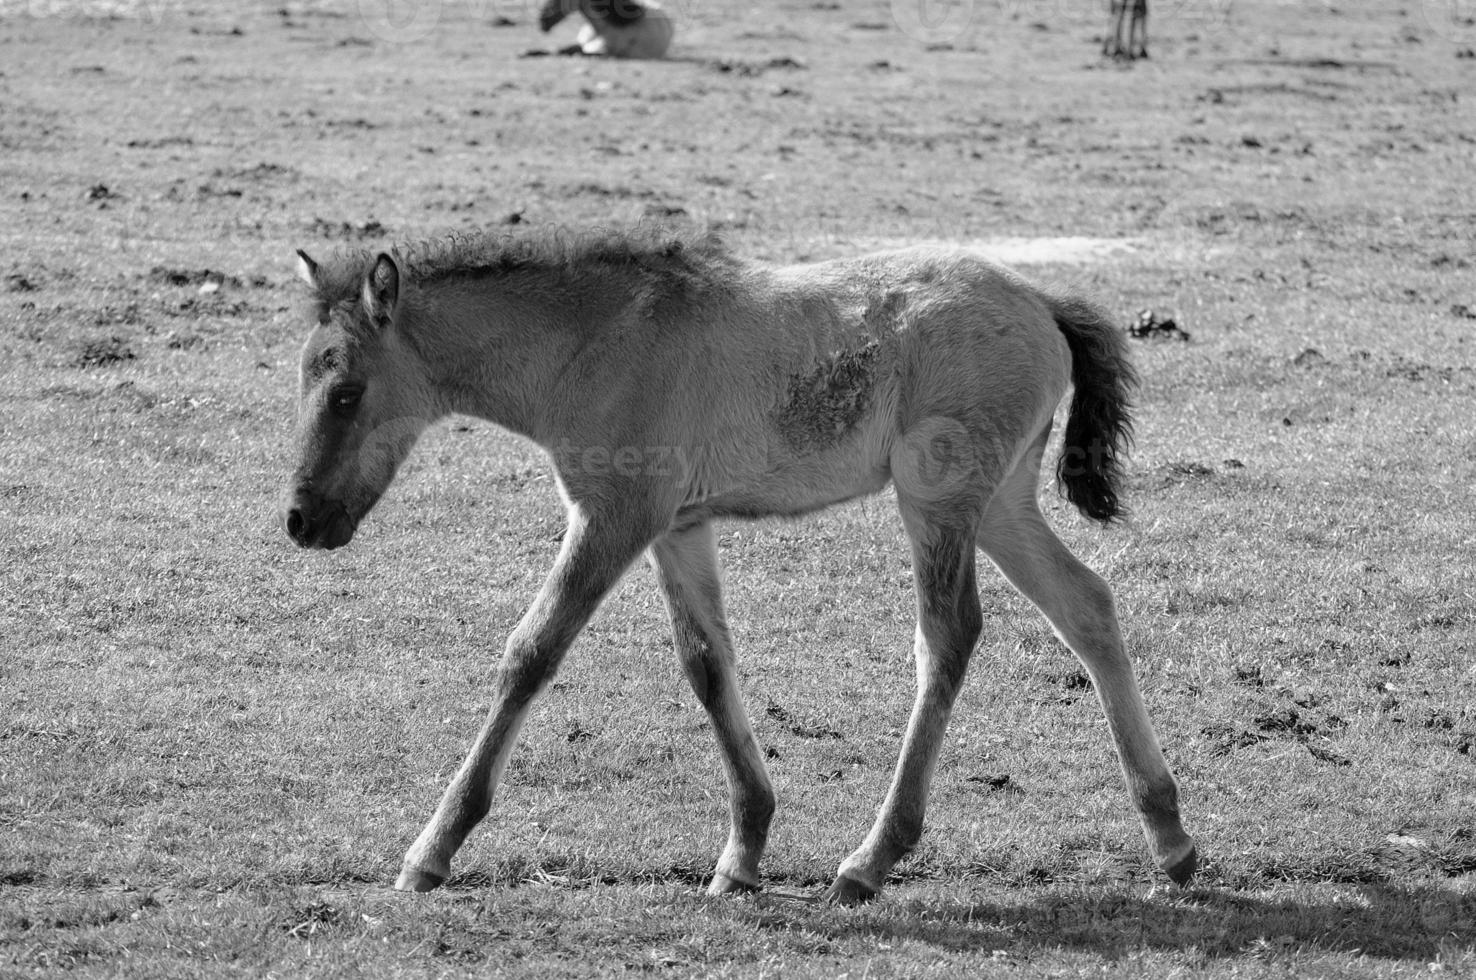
x: 786, y: 483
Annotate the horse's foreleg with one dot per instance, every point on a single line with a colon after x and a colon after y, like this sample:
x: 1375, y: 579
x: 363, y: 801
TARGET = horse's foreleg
x: 948, y: 626
x: 593, y: 557
x: 1138, y: 36
x: 686, y: 565
x: 1127, y: 37
x: 1112, y: 43
x: 1079, y: 605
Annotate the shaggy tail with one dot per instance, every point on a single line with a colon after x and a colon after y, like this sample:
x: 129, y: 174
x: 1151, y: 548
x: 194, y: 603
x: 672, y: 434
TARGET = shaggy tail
x: 1099, y: 429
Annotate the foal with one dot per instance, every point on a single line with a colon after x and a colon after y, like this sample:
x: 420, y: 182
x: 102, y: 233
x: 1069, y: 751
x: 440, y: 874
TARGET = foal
x: 673, y: 385
x: 613, y: 28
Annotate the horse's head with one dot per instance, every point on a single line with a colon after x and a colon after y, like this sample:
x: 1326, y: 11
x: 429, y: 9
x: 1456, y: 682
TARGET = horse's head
x: 364, y: 398
x: 616, y: 13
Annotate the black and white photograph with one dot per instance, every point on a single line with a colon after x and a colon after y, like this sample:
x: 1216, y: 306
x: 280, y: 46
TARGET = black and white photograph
x: 738, y: 488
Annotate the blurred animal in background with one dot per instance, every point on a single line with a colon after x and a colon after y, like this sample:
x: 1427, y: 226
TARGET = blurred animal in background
x: 1127, y: 34
x: 615, y: 28
x: 1150, y: 326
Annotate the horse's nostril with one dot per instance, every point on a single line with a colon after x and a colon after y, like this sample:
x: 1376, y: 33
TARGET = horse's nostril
x: 296, y: 524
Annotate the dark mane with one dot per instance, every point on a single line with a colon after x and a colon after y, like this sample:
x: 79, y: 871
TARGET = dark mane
x: 676, y: 259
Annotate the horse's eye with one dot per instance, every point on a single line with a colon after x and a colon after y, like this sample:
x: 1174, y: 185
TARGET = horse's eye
x: 345, y: 401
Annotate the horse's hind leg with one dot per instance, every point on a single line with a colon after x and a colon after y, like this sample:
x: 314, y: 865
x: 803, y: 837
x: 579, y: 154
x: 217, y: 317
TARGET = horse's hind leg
x: 948, y: 625
x: 686, y: 565
x: 1079, y: 605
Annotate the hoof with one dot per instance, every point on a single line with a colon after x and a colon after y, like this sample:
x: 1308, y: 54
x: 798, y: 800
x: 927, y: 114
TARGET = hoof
x: 849, y: 891
x: 416, y: 880
x: 723, y: 885
x: 1182, y: 870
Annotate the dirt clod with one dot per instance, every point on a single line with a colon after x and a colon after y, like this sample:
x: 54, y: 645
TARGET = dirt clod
x: 1329, y: 756
x: 1150, y: 326
x: 1226, y: 737
x: 347, y: 230
x: 167, y: 276
x: 798, y: 727
x: 103, y: 352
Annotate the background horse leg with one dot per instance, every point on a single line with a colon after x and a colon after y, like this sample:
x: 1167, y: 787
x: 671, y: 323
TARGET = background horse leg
x: 1138, y: 34
x: 1127, y: 35
x: 592, y: 559
x: 1112, y: 45
x: 686, y: 565
x: 948, y: 626
x: 1080, y: 608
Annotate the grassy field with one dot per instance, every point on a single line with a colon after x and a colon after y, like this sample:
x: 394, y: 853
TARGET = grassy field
x: 214, y: 748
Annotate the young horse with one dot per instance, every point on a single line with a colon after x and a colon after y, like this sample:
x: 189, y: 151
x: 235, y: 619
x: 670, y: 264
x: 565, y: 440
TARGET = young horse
x: 674, y: 385
x: 613, y: 28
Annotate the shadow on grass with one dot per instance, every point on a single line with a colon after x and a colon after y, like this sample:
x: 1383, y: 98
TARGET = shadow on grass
x: 1408, y: 920
x: 1378, y: 920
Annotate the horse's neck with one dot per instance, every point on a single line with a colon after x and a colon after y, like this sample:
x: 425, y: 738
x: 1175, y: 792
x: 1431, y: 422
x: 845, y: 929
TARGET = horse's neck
x: 498, y: 355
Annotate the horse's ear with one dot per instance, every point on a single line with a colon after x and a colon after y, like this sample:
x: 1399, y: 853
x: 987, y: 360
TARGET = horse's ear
x: 307, y: 269
x: 551, y: 13
x: 382, y: 290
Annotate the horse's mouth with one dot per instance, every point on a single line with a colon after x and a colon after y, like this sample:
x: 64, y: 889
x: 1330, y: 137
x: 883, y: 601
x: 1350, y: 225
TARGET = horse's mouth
x: 336, y: 532
x: 323, y: 527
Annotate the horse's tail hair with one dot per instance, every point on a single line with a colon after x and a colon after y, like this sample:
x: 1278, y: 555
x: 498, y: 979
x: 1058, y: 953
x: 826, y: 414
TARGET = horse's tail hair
x: 1099, y: 428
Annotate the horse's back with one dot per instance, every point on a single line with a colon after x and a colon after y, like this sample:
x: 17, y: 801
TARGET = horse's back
x: 829, y: 366
x: 927, y: 289
x: 954, y: 324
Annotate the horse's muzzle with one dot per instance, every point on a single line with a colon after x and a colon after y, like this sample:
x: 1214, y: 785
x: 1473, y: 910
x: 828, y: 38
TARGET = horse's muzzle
x: 314, y: 522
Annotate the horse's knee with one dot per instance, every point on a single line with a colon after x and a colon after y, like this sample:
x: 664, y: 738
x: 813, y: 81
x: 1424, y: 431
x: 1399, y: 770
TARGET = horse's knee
x: 525, y: 670
x: 703, y: 661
